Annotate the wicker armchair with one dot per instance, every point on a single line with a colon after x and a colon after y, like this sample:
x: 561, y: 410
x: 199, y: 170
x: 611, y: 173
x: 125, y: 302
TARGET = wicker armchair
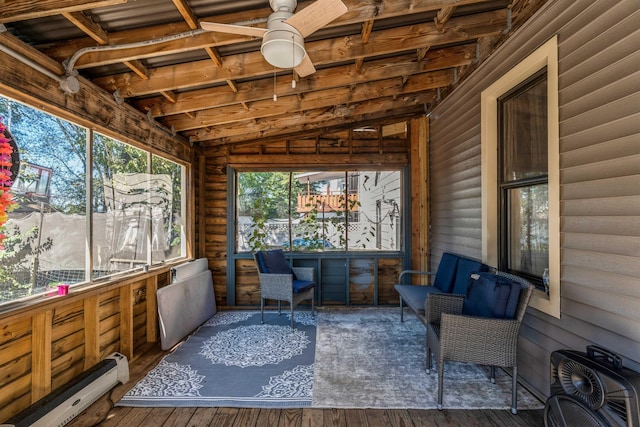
x: 452, y: 336
x: 291, y: 284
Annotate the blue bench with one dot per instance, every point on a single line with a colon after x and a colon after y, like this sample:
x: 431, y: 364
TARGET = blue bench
x: 452, y: 277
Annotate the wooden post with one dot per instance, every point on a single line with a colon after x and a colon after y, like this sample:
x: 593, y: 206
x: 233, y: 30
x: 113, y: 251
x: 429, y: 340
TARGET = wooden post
x: 419, y: 134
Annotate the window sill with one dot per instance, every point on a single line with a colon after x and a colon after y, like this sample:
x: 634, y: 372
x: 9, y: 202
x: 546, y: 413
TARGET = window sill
x: 45, y: 300
x: 548, y: 304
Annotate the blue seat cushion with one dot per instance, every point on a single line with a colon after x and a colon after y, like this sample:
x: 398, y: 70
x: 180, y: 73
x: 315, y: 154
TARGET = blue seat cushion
x: 466, y: 266
x: 414, y: 296
x: 446, y: 272
x: 490, y: 295
x: 302, y: 285
x: 274, y: 262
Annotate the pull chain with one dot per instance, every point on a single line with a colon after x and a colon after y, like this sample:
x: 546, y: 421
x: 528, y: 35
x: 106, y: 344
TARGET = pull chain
x: 293, y: 61
x: 275, y: 97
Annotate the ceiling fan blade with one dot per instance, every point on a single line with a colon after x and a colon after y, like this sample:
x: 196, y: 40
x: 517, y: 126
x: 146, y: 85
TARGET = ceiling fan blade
x: 316, y: 16
x: 233, y: 29
x: 306, y: 67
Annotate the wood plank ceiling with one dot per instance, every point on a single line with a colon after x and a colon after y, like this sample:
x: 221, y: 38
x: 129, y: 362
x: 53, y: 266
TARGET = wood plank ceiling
x: 382, y: 61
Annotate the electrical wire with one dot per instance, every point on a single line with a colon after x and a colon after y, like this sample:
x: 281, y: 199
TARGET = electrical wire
x: 111, y: 406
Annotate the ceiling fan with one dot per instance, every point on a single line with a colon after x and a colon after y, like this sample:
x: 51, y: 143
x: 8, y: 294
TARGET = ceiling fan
x: 283, y: 39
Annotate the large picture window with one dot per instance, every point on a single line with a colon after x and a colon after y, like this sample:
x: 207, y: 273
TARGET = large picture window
x: 318, y: 211
x: 53, y: 229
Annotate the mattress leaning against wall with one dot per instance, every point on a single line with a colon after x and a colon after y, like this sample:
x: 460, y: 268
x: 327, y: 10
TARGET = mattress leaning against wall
x: 186, y: 303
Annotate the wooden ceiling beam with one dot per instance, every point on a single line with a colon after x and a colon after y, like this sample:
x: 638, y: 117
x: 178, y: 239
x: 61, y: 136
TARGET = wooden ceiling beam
x: 443, y: 16
x: 20, y: 47
x: 360, y: 11
x: 367, y: 27
x: 16, y: 10
x: 323, y: 52
x: 365, y: 34
x: 185, y: 44
x: 97, y: 33
x: 421, y: 53
x: 169, y: 95
x: 187, y: 13
x: 192, y: 22
x: 323, y: 79
x: 336, y: 131
x: 313, y: 100
x: 138, y: 68
x: 287, y: 123
x: 90, y: 28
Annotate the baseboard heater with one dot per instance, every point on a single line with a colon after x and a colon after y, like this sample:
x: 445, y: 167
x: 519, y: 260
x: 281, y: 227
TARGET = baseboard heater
x: 64, y: 404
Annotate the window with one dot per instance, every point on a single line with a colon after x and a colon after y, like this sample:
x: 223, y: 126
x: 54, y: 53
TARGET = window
x: 134, y: 207
x: 318, y: 210
x: 520, y: 173
x: 523, y: 183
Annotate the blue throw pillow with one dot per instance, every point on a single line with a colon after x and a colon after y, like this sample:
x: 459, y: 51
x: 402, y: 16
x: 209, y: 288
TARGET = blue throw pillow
x: 274, y: 262
x: 490, y: 295
x: 446, y: 272
x: 465, y: 267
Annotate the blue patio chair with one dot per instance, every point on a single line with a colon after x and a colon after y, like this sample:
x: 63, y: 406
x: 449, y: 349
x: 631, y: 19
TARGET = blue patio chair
x: 279, y: 281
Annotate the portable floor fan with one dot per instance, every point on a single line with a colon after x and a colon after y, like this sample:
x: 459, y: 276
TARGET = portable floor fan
x: 283, y: 39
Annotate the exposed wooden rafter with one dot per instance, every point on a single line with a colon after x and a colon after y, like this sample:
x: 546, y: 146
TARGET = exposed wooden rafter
x: 22, y: 10
x: 381, y: 60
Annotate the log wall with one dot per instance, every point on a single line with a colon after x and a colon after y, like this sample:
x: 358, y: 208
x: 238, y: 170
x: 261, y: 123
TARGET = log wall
x: 49, y: 342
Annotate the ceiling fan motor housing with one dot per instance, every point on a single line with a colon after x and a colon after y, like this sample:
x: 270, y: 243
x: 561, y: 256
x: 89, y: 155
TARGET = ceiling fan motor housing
x: 283, y: 5
x: 282, y: 44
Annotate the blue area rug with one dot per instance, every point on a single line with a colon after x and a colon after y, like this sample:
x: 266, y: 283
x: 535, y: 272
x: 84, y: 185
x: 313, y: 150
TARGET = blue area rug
x: 361, y: 358
x: 233, y: 360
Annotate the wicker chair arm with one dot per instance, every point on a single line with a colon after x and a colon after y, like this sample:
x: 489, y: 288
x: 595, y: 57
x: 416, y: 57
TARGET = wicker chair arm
x: 437, y: 304
x: 304, y: 273
x: 480, y: 340
x: 269, y: 278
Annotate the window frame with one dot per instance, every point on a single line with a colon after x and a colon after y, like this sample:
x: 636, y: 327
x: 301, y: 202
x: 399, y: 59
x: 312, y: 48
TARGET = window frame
x: 505, y: 185
x: 89, y: 249
x: 233, y: 173
x: 545, y: 56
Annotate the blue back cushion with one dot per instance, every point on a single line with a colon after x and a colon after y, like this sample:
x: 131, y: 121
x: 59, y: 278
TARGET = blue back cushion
x: 491, y: 296
x: 261, y: 266
x: 466, y: 266
x: 274, y: 262
x: 446, y: 272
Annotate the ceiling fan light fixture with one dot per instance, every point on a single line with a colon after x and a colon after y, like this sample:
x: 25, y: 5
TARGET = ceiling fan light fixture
x: 283, y: 48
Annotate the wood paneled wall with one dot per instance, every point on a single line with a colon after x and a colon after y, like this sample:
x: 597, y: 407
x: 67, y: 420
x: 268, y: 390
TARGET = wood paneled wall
x: 600, y: 177
x: 49, y: 342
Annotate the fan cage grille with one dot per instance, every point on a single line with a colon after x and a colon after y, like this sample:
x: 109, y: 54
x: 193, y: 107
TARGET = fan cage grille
x: 561, y: 407
x: 582, y: 382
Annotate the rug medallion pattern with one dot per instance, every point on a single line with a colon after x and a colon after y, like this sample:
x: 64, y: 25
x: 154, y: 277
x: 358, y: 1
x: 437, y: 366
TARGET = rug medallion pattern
x: 234, y: 360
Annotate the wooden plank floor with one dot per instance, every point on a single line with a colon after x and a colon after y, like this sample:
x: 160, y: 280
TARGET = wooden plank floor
x: 103, y: 414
